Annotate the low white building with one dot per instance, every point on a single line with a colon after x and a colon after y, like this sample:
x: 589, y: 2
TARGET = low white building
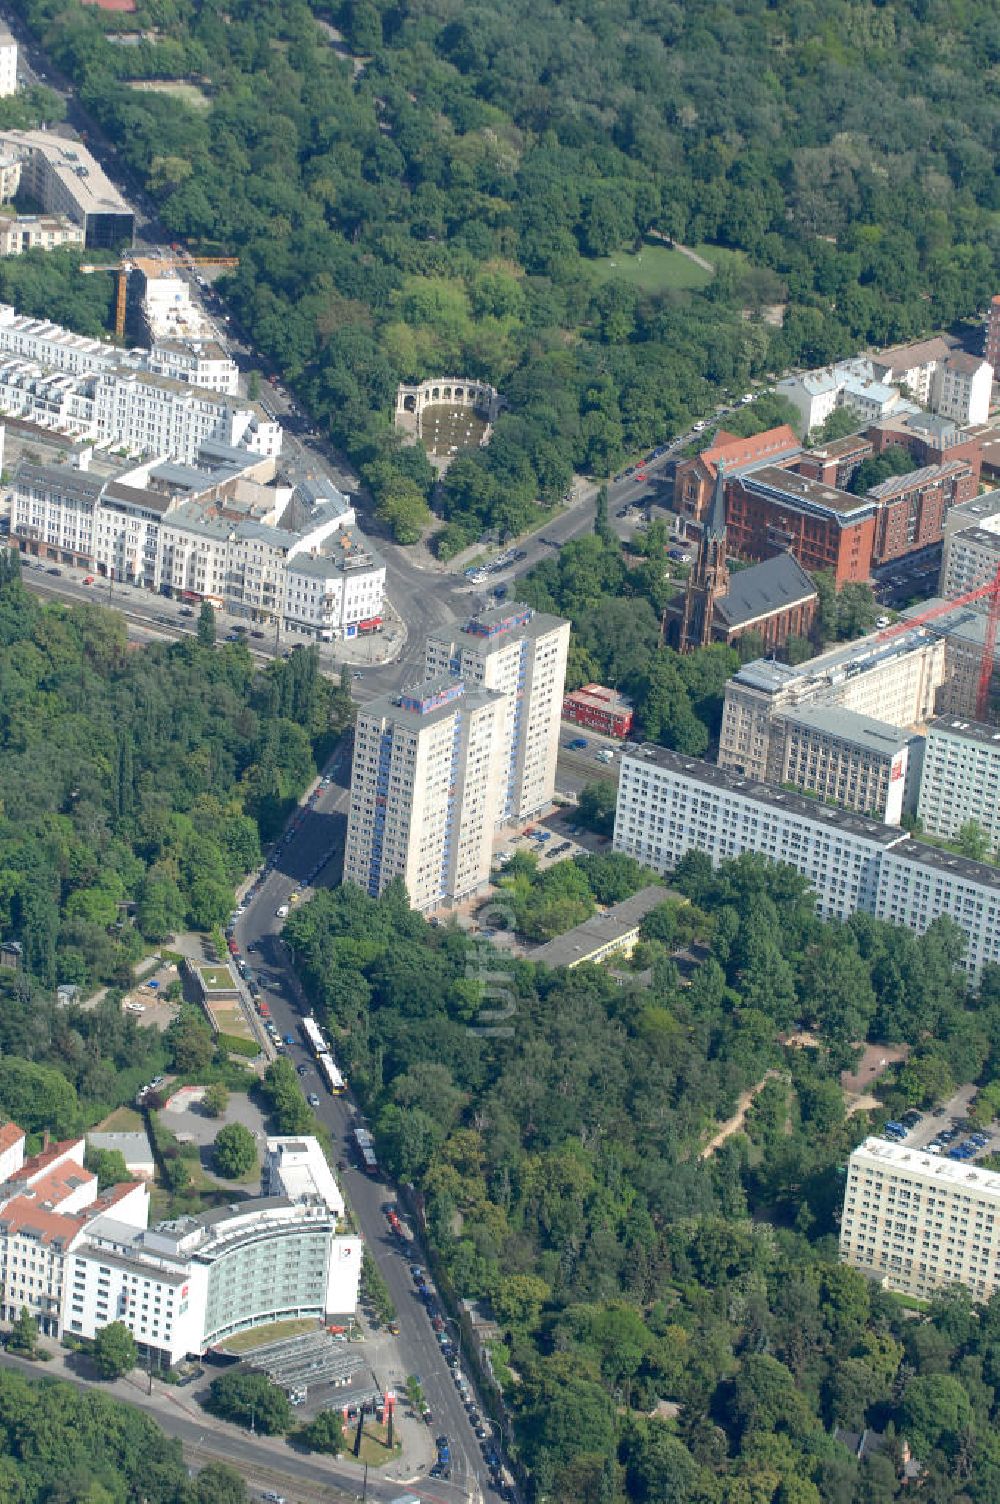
x: 37, y: 232
x: 297, y: 1167
x: 852, y: 384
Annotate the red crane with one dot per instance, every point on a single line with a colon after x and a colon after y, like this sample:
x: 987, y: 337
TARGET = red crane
x: 992, y: 589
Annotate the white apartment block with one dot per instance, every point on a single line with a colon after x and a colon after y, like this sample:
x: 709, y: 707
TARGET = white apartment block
x: 53, y: 347
x: 521, y: 654
x: 920, y: 883
x: 63, y: 177
x: 971, y: 553
x: 425, y: 786
x: 45, y: 1205
x: 961, y: 778
x: 35, y: 232
x: 669, y: 804
x: 961, y: 388
x: 849, y: 383
x: 918, y: 1222
x: 149, y: 414
x: 912, y: 367
x: 934, y: 373
x: 203, y: 364
x: 8, y: 62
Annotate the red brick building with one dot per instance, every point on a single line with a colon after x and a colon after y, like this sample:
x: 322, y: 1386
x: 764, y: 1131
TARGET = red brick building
x: 694, y: 479
x: 932, y: 440
x: 835, y: 463
x: 775, y: 599
x: 770, y: 511
x: 911, y: 508
x: 601, y: 709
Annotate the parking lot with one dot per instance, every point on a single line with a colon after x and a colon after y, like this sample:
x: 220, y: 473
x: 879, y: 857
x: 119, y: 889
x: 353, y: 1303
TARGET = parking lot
x: 480, y: 574
x: 947, y: 1130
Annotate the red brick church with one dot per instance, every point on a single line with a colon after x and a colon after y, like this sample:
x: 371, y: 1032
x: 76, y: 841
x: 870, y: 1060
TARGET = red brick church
x: 776, y: 598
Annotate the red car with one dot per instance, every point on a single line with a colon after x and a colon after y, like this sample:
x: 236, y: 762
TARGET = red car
x: 89, y: 580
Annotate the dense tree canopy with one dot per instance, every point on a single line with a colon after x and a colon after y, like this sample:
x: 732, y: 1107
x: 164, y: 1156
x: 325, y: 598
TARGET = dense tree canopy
x: 560, y: 1161
x: 459, y: 191
x: 58, y: 1442
x: 140, y: 780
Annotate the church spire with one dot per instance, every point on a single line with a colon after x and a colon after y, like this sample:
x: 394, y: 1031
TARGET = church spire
x: 709, y: 577
x: 715, y: 522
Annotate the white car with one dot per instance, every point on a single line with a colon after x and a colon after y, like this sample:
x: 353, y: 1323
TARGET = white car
x: 281, y: 912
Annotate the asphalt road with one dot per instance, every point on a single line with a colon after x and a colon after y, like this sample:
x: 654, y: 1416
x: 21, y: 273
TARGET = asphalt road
x: 320, y: 832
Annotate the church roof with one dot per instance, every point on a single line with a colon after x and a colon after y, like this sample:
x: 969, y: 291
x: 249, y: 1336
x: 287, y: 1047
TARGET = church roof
x: 774, y: 585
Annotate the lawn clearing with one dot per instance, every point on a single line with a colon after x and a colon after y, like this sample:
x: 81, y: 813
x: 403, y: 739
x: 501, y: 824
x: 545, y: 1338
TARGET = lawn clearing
x: 189, y: 94
x: 656, y: 268
x: 373, y: 1446
x: 244, y: 1342
x: 122, y: 1120
x: 216, y: 978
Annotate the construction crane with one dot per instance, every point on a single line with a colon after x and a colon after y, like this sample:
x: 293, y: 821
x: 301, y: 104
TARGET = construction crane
x: 991, y: 589
x: 124, y: 268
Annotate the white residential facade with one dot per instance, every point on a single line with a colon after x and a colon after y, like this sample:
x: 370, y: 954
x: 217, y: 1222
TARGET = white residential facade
x: 46, y: 1204
x: 8, y: 62
x: 961, y: 388
x: 961, y: 778
x: 202, y: 364
x: 425, y: 787
x: 971, y: 556
x: 37, y: 232
x: 521, y: 654
x: 150, y: 414
x: 919, y: 1222
x: 324, y: 578
x: 669, y: 804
